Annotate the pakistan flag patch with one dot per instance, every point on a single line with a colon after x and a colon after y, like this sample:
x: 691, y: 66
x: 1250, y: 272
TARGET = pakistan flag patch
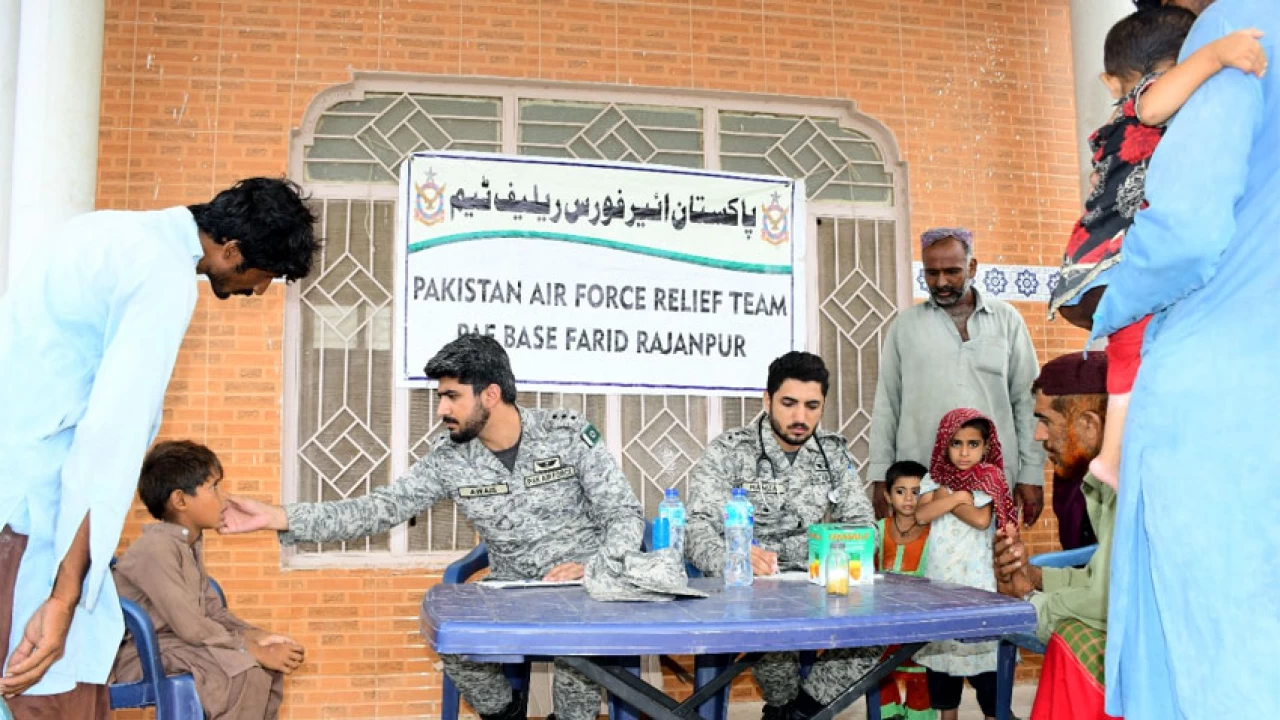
x: 590, y: 435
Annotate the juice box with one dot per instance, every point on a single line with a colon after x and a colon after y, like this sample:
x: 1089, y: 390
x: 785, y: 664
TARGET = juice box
x: 859, y: 543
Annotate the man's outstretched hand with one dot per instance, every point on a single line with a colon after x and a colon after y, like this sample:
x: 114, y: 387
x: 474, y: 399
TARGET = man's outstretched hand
x: 244, y: 515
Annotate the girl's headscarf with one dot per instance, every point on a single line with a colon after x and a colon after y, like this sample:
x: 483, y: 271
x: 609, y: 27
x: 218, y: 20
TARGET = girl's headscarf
x: 987, y: 475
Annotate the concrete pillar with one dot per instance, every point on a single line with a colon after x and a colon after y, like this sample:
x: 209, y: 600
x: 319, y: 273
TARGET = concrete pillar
x: 55, y: 129
x: 10, y: 15
x: 1090, y: 21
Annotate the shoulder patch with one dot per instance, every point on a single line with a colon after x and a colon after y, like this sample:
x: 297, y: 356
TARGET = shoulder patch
x: 590, y: 435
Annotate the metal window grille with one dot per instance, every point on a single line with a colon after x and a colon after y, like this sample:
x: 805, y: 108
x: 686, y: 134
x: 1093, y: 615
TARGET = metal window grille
x: 348, y: 430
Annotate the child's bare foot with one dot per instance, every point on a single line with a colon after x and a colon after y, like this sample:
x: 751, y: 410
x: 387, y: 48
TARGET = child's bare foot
x: 1106, y: 472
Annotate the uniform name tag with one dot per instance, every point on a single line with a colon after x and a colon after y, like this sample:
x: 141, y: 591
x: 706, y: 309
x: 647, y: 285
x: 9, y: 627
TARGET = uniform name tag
x: 475, y: 491
x: 551, y: 476
x: 766, y: 488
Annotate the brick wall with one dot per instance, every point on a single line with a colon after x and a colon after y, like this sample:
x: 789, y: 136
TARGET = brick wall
x: 198, y: 93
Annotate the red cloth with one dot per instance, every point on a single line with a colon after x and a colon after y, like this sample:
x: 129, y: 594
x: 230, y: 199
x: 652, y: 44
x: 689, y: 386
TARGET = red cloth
x: 1067, y: 691
x: 987, y: 476
x: 1124, y: 354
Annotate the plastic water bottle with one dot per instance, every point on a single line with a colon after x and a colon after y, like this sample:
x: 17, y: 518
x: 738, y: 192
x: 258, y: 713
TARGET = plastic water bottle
x: 739, y: 525
x: 672, y: 510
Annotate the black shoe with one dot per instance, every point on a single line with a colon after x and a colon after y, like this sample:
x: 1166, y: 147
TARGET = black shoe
x: 804, y: 706
x: 776, y: 712
x: 517, y: 709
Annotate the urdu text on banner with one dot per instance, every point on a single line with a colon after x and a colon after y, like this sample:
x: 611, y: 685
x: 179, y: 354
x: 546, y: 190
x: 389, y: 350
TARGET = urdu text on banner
x: 601, y: 277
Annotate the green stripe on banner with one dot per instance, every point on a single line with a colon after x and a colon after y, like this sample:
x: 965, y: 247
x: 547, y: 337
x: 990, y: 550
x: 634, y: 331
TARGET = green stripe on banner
x: 610, y: 244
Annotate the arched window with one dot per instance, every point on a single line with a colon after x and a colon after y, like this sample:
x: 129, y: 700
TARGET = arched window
x: 348, y: 429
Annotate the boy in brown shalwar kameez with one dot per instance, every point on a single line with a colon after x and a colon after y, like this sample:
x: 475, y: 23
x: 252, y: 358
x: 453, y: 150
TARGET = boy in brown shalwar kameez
x: 239, y: 669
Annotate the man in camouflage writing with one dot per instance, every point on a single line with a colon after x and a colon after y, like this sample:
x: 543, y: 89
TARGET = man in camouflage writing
x: 795, y: 475
x: 538, y: 485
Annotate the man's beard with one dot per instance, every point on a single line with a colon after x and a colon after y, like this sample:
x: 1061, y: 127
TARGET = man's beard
x: 786, y: 436
x: 1073, y: 463
x: 472, y: 428
x: 218, y: 284
x: 950, y: 300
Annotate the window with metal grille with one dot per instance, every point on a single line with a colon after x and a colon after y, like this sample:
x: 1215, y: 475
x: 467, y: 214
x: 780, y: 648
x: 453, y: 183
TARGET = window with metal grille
x: 349, y: 430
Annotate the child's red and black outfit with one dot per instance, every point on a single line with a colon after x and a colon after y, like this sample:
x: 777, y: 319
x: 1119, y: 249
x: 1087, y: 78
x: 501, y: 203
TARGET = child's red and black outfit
x: 1122, y: 149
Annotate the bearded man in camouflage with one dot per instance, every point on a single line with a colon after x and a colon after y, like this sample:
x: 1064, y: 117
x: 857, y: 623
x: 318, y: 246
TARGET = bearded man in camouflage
x: 537, y: 485
x: 795, y: 475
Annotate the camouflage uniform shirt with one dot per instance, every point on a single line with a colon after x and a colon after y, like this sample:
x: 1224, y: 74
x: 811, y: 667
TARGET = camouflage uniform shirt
x: 564, y: 501
x: 788, y: 496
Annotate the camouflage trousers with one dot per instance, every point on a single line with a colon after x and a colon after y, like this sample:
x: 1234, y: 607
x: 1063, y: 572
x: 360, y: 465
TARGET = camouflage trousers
x: 778, y: 674
x: 573, y: 696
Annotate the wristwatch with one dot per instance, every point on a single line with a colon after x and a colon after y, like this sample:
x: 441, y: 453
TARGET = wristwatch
x: 1031, y: 594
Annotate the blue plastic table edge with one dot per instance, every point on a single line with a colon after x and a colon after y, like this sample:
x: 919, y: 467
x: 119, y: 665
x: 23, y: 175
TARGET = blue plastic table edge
x: 486, y: 640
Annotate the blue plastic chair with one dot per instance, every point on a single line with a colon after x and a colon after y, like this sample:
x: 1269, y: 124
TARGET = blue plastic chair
x: 173, y: 696
x: 1065, y: 558
x: 517, y: 673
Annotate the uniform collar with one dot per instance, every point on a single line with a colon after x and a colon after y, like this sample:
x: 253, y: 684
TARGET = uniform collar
x: 479, y: 455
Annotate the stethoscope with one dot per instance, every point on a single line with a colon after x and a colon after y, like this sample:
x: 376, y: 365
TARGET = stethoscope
x: 773, y: 470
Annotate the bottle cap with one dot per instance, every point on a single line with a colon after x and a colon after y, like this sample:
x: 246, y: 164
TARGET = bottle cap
x: 672, y: 494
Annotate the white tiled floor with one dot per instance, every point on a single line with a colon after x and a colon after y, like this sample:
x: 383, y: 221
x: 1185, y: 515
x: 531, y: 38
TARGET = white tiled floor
x: 1023, y: 696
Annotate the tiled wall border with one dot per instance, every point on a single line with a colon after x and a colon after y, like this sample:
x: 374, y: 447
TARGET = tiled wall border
x: 1014, y: 283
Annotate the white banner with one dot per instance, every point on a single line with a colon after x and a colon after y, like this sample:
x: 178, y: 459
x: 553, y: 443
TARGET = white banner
x: 601, y: 277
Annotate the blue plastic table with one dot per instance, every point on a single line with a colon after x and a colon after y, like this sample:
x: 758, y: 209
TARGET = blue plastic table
x: 736, y: 626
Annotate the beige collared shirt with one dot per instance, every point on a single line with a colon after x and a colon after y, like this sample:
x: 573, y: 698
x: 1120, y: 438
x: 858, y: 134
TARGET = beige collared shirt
x: 926, y: 371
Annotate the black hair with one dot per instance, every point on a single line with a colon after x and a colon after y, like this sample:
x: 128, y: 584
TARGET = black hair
x: 175, y: 465
x: 903, y: 469
x: 270, y: 220
x: 981, y: 425
x: 475, y: 360
x: 797, y: 365
x: 1147, y: 4
x: 1140, y: 42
